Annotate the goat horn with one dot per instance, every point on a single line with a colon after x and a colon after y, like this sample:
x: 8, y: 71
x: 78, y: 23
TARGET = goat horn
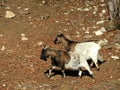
x: 60, y: 33
x: 46, y: 47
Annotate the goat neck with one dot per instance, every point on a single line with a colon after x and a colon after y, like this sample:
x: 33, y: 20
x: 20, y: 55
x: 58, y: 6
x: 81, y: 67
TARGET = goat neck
x: 53, y: 53
x: 66, y: 43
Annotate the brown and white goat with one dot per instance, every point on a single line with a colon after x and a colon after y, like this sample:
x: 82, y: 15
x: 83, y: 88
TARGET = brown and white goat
x: 64, y: 60
x: 87, y: 50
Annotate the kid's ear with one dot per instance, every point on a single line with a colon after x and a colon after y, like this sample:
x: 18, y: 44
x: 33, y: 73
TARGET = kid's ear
x: 60, y: 34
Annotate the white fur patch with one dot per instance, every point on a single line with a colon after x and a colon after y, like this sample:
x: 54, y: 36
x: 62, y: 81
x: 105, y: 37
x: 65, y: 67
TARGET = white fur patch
x: 74, y: 61
x: 87, y: 49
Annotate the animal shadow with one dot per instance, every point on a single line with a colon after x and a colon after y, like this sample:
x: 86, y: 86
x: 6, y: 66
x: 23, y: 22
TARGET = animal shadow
x: 73, y: 73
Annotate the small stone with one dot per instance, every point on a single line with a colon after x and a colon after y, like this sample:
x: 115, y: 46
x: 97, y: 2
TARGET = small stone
x: 111, y: 76
x: 40, y: 43
x: 1, y: 35
x: 79, y: 9
x: 77, y: 32
x: 4, y: 85
x: 100, y: 22
x: 103, y: 29
x: 26, y: 9
x: 98, y: 33
x: 43, y: 2
x: 87, y: 32
x: 3, y: 48
x: 24, y: 38
x: 115, y: 57
x: 103, y: 4
x: 22, y: 35
x: 66, y: 29
x: 9, y: 14
x: 94, y: 12
x: 103, y: 11
x: 86, y: 9
x: 57, y: 21
x: 102, y: 1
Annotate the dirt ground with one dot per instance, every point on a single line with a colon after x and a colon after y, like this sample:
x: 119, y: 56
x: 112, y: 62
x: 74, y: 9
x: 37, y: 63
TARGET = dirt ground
x: 39, y: 21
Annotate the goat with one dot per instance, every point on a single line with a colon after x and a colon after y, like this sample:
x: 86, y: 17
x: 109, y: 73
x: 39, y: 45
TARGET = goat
x: 64, y: 60
x: 87, y: 50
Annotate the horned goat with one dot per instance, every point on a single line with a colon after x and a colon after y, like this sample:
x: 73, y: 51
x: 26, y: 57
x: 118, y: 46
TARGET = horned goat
x: 87, y: 50
x: 64, y: 60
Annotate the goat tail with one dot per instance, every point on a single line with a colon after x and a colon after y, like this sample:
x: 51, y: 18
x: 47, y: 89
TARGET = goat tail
x: 102, y: 42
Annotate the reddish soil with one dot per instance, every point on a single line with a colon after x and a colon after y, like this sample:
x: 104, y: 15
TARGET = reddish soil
x: 20, y: 65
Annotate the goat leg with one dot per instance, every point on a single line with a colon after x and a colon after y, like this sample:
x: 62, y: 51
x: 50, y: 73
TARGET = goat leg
x: 80, y: 73
x: 91, y: 64
x: 50, y: 72
x: 63, y: 72
x: 95, y: 62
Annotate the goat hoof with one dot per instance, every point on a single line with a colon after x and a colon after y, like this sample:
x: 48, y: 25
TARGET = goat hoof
x: 63, y: 76
x: 92, y: 76
x: 48, y: 76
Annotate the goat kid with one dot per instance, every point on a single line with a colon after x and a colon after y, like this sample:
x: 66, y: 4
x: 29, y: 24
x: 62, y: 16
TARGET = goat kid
x: 87, y: 50
x: 64, y: 60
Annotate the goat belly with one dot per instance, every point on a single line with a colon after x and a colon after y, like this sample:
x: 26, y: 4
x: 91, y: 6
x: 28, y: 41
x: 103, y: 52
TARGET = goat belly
x: 73, y: 63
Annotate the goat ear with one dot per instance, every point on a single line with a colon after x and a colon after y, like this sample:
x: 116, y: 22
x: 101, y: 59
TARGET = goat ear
x: 60, y: 34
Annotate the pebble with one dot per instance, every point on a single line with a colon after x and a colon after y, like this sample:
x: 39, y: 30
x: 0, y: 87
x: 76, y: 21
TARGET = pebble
x: 43, y: 2
x: 4, y: 85
x: 102, y: 5
x: 102, y: 1
x: 77, y: 32
x: 9, y: 14
x: 57, y: 21
x: 3, y: 48
x: 1, y: 35
x: 99, y: 22
x: 115, y: 57
x: 94, y: 12
x: 26, y: 9
x: 79, y: 9
x: 87, y: 32
x: 103, y: 11
x: 100, y: 32
x: 86, y: 9
x: 23, y: 38
x: 103, y: 29
x: 40, y: 43
x: 65, y: 29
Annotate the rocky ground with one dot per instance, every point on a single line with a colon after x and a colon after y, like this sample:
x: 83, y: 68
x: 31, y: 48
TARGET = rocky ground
x: 26, y: 24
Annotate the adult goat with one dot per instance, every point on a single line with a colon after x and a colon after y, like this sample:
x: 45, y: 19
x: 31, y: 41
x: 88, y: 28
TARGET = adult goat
x: 87, y: 50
